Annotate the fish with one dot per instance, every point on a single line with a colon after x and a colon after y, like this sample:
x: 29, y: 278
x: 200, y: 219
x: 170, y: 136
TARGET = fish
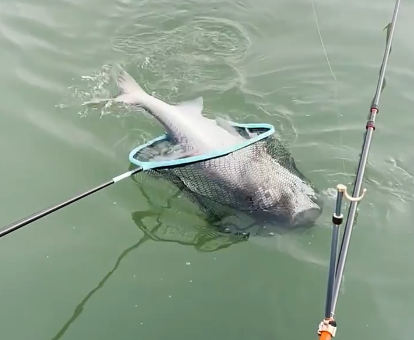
x: 249, y: 179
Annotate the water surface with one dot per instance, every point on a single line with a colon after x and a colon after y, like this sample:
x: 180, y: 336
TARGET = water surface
x: 135, y: 260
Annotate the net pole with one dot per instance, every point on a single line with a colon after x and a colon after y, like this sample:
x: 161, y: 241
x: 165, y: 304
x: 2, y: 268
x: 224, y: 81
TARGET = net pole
x: 42, y: 213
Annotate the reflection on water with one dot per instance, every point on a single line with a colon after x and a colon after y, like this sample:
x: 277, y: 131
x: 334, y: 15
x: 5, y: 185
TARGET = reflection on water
x: 201, y: 238
x: 79, y: 308
x: 156, y: 225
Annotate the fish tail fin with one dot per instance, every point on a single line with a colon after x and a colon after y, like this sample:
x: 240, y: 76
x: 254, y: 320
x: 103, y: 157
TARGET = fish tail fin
x: 130, y: 91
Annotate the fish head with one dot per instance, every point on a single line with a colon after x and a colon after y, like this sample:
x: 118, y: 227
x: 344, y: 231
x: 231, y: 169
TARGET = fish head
x: 281, y: 194
x: 289, y: 204
x: 306, y: 217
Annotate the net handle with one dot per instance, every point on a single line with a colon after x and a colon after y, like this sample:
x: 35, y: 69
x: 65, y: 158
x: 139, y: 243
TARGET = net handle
x: 42, y: 213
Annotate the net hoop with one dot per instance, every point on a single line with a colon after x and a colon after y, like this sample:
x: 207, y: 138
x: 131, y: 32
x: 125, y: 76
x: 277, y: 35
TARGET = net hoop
x: 215, y: 154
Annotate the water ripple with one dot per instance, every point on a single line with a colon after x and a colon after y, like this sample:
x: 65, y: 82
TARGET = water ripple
x: 180, y: 56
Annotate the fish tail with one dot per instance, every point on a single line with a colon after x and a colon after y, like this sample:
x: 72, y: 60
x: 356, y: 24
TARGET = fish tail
x: 130, y: 91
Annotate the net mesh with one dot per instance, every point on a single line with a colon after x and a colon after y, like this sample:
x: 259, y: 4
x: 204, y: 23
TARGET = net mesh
x: 262, y: 191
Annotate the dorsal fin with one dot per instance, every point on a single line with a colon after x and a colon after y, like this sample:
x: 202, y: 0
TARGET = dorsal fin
x: 193, y: 106
x: 226, y: 125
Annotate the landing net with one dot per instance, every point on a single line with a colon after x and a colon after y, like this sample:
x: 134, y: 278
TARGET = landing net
x: 200, y: 178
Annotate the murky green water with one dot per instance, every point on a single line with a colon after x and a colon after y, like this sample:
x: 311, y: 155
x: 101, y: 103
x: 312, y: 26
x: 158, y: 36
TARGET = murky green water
x: 134, y: 261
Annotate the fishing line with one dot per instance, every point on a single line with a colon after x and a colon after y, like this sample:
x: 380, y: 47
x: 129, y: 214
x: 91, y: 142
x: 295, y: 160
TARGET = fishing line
x: 334, y: 78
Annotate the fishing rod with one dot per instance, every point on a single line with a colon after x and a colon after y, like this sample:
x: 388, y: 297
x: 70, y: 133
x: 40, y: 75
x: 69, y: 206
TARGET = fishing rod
x: 327, y: 328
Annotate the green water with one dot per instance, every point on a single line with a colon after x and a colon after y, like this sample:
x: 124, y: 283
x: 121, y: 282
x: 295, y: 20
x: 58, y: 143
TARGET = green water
x: 136, y: 262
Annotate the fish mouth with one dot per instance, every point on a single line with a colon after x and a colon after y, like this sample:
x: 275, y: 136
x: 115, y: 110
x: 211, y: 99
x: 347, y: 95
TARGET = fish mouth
x: 306, y: 218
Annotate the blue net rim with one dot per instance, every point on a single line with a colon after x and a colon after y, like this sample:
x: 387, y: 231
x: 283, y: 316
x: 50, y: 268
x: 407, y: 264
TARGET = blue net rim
x: 176, y: 162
